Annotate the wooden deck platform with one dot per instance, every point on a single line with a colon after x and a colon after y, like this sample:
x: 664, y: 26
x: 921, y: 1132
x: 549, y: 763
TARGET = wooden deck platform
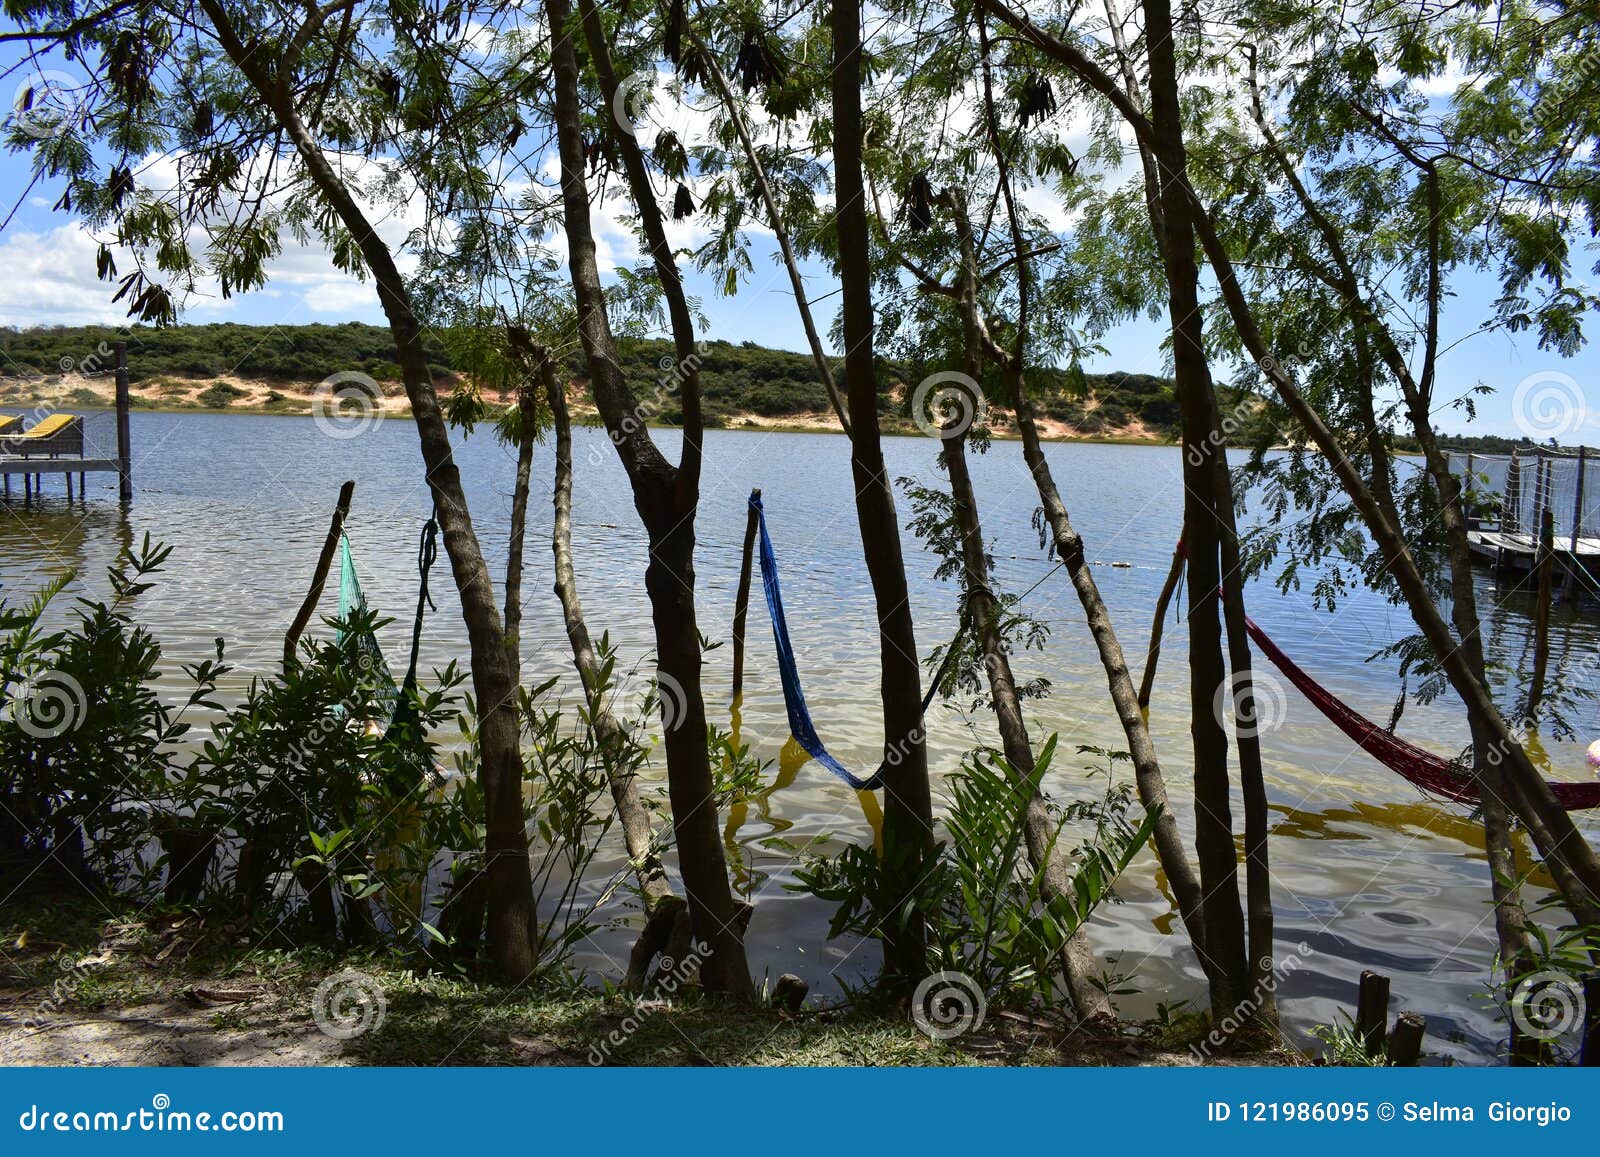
x: 55, y: 443
x: 1504, y: 546
x: 58, y: 465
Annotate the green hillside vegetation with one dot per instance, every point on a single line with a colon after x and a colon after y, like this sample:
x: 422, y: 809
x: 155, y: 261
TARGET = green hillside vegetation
x: 738, y: 379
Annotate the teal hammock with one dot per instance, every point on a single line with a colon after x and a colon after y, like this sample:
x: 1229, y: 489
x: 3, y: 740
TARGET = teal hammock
x: 405, y: 727
x: 794, y: 698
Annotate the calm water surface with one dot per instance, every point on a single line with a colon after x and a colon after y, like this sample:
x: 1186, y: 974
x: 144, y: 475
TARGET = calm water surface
x: 1367, y: 873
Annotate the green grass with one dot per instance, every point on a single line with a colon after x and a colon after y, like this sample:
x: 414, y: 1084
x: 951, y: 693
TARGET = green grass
x: 99, y: 958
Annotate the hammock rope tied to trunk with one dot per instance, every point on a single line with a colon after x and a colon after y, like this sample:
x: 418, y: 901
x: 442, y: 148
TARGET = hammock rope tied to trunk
x: 794, y: 698
x: 1426, y: 770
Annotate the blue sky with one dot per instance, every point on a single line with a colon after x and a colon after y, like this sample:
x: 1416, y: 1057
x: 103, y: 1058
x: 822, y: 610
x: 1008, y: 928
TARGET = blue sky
x: 48, y: 278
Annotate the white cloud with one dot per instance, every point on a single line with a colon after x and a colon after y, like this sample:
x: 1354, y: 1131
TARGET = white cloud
x: 50, y: 280
x: 342, y: 296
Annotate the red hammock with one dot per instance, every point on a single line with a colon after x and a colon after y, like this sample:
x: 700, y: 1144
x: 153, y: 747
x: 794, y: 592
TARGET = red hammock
x: 1423, y: 768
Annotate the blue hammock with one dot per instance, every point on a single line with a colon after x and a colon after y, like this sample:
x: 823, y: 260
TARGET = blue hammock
x: 794, y: 699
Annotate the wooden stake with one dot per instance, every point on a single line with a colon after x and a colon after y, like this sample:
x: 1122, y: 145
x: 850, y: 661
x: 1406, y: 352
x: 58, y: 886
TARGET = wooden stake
x: 1511, y: 501
x: 124, y: 431
x: 1541, y: 610
x: 741, y: 602
x: 1577, y: 504
x: 320, y: 576
x: 1405, y: 1042
x: 1153, y: 654
x: 1372, y: 1011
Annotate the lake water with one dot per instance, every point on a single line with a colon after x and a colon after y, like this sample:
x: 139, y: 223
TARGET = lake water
x: 1367, y: 873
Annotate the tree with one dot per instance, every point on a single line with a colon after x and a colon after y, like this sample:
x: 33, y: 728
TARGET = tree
x: 265, y: 121
x: 665, y: 496
x: 1570, y: 858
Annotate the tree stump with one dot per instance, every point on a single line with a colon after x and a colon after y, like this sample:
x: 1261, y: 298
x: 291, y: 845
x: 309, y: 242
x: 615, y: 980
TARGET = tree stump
x: 790, y: 992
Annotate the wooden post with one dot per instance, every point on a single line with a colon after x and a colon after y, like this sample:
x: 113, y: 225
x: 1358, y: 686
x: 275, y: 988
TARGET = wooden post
x: 319, y: 577
x: 1405, y: 1042
x: 741, y: 602
x: 1590, y: 1056
x: 1511, y: 501
x: 1372, y: 1011
x: 124, y: 433
x: 1541, y: 488
x: 1545, y: 562
x: 1577, y: 503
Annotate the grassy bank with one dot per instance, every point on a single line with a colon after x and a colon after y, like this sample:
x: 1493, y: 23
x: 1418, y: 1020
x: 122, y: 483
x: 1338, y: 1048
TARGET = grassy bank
x: 95, y: 981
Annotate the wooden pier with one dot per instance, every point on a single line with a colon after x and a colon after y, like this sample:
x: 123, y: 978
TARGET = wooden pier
x: 1517, y: 551
x: 1533, y: 517
x: 55, y: 444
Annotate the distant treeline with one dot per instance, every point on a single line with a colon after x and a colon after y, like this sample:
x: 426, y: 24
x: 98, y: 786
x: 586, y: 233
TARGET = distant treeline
x: 743, y: 378
x: 1481, y: 443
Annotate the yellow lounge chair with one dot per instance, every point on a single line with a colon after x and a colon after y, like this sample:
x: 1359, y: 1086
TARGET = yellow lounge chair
x: 49, y: 437
x: 10, y: 422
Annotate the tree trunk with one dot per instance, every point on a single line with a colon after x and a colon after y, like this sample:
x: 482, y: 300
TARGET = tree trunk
x: 983, y: 616
x: 666, y: 498
x: 907, y: 800
x: 1252, y: 779
x: 1228, y: 969
x: 1039, y: 830
x: 1148, y: 779
x: 615, y: 745
x: 519, y: 524
x: 1511, y: 920
x: 512, y: 916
